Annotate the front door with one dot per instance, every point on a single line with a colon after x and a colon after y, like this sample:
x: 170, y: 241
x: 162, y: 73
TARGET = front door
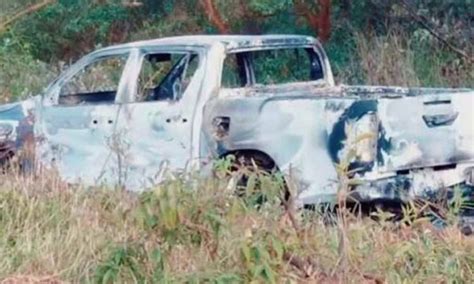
x: 155, y: 131
x: 78, y: 117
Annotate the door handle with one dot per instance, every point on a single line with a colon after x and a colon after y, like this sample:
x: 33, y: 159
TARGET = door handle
x: 440, y: 119
x: 437, y: 102
x: 177, y: 118
x: 95, y: 121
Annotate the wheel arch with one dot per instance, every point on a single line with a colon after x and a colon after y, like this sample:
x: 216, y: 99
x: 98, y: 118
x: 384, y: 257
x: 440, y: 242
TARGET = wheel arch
x: 267, y: 162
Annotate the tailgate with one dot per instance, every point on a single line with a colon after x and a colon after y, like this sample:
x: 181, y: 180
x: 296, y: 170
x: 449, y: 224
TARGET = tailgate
x: 425, y: 131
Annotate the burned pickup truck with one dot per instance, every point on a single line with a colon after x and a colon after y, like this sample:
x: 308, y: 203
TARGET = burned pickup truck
x: 123, y: 114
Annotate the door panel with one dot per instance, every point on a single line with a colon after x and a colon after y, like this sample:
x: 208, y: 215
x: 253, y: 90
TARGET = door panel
x: 77, y: 119
x: 154, y: 134
x: 76, y: 141
x: 152, y: 137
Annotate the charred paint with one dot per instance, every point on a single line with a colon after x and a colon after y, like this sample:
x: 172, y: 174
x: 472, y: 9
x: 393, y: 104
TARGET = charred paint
x: 338, y: 134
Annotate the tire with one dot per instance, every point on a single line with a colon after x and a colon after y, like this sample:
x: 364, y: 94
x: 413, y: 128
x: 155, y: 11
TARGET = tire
x: 249, y: 170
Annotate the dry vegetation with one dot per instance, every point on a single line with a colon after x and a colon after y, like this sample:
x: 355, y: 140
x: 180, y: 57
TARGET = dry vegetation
x: 191, y: 229
x: 196, y: 230
x: 393, y: 60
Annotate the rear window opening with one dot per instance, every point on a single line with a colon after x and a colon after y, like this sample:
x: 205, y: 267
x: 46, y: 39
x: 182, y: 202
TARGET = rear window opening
x: 271, y: 67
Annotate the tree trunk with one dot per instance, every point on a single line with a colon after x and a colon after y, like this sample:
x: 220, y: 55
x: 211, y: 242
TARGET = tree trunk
x: 324, y: 31
x: 320, y: 22
x: 214, y: 16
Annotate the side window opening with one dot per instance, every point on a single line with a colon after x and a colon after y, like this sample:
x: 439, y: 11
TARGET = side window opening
x: 96, y: 83
x: 273, y: 66
x: 166, y: 76
x: 316, y: 65
x: 236, y: 72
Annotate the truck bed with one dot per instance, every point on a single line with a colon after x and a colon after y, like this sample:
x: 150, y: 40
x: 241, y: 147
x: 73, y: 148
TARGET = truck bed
x: 313, y: 128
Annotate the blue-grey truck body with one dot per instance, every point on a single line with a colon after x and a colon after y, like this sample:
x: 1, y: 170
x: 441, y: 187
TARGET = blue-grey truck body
x: 210, y: 100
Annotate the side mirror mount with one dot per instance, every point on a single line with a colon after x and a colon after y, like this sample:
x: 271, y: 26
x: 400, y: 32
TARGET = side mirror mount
x: 50, y: 96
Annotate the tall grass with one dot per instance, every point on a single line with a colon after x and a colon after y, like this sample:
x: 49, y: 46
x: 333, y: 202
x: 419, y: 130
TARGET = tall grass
x: 398, y: 59
x: 401, y: 60
x: 191, y: 229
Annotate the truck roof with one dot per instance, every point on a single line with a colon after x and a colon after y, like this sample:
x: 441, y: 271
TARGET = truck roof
x: 231, y: 41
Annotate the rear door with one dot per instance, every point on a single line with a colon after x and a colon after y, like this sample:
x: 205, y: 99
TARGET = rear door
x: 155, y: 129
x: 78, y: 118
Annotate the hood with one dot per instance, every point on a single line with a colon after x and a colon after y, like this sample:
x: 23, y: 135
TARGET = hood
x: 17, y: 110
x: 12, y: 111
x: 16, y: 119
x: 7, y: 106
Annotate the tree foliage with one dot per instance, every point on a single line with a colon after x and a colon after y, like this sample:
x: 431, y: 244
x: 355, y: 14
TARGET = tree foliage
x: 64, y: 30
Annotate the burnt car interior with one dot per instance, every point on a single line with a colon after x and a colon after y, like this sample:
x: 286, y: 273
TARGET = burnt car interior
x: 88, y: 98
x: 96, y: 83
x: 165, y: 77
x: 268, y: 67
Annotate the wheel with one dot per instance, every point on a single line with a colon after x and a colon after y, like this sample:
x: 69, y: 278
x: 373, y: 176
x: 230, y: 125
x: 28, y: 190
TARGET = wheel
x: 257, y: 179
